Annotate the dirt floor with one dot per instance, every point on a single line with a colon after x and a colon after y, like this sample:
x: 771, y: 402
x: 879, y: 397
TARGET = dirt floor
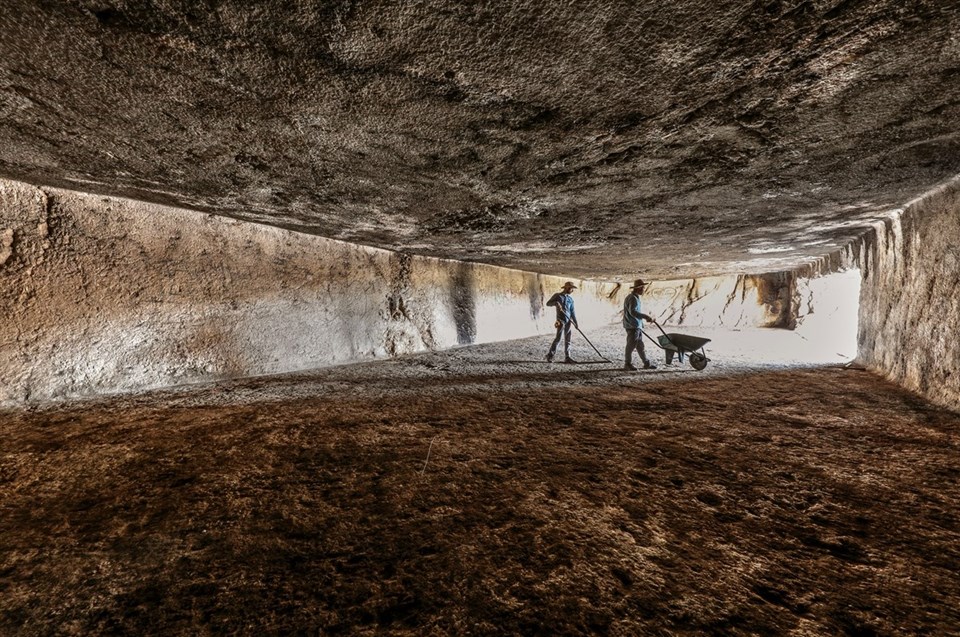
x: 485, y: 492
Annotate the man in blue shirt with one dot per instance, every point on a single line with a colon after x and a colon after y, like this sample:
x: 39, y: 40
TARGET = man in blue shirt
x: 565, y: 317
x: 633, y: 319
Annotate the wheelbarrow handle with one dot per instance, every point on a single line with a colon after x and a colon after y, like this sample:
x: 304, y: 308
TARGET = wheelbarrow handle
x: 652, y: 340
x: 664, y: 334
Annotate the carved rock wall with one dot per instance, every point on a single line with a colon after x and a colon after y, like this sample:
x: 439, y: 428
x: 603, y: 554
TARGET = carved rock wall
x: 764, y: 300
x: 910, y: 311
x: 103, y: 295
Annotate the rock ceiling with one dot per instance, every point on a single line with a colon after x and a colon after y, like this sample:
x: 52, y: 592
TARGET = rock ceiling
x: 594, y: 138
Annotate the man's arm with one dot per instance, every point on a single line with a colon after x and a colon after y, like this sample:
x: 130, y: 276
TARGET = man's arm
x: 553, y: 300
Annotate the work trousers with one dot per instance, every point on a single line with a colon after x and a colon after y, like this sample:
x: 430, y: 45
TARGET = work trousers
x: 635, y: 342
x: 564, y: 331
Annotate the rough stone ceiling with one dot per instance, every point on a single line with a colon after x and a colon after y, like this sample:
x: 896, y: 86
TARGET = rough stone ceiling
x: 594, y: 138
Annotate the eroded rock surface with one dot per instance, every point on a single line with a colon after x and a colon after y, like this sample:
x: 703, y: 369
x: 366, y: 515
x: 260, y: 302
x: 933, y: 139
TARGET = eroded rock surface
x: 910, y: 312
x: 674, y: 138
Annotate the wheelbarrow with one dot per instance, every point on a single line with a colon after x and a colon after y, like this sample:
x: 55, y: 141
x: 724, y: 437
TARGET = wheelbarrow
x: 681, y: 344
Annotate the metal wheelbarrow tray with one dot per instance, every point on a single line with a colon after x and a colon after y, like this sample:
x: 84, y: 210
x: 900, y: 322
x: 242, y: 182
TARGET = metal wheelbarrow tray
x: 681, y: 344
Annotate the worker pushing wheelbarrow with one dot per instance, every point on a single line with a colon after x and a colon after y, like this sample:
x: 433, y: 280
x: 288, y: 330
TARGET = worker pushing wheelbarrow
x: 672, y: 344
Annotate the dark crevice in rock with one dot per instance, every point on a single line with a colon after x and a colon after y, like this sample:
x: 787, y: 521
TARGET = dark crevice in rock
x: 463, y: 303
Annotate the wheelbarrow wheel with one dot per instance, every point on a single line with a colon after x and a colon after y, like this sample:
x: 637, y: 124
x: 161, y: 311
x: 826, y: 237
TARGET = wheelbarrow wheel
x: 698, y: 361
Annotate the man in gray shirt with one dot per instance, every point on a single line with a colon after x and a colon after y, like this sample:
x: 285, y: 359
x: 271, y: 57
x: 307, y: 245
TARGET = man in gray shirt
x: 633, y: 319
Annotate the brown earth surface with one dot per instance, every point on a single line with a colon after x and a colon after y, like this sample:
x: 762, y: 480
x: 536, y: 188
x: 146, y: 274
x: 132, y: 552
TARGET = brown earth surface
x: 485, y: 492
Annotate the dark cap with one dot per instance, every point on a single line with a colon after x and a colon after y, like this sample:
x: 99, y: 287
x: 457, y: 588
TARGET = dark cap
x: 639, y: 283
x: 569, y: 284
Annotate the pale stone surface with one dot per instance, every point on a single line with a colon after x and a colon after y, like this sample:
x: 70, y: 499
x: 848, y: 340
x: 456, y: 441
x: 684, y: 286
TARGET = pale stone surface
x: 828, y: 312
x: 730, y: 301
x: 910, y: 310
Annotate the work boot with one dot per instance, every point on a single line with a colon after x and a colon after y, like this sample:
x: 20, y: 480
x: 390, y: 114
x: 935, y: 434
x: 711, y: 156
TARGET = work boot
x: 569, y: 360
x: 629, y: 367
x: 649, y: 365
x: 549, y: 358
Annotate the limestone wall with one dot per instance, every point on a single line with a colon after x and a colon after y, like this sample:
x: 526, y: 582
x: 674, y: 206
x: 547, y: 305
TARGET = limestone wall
x: 729, y: 301
x: 910, y: 309
x: 107, y: 295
